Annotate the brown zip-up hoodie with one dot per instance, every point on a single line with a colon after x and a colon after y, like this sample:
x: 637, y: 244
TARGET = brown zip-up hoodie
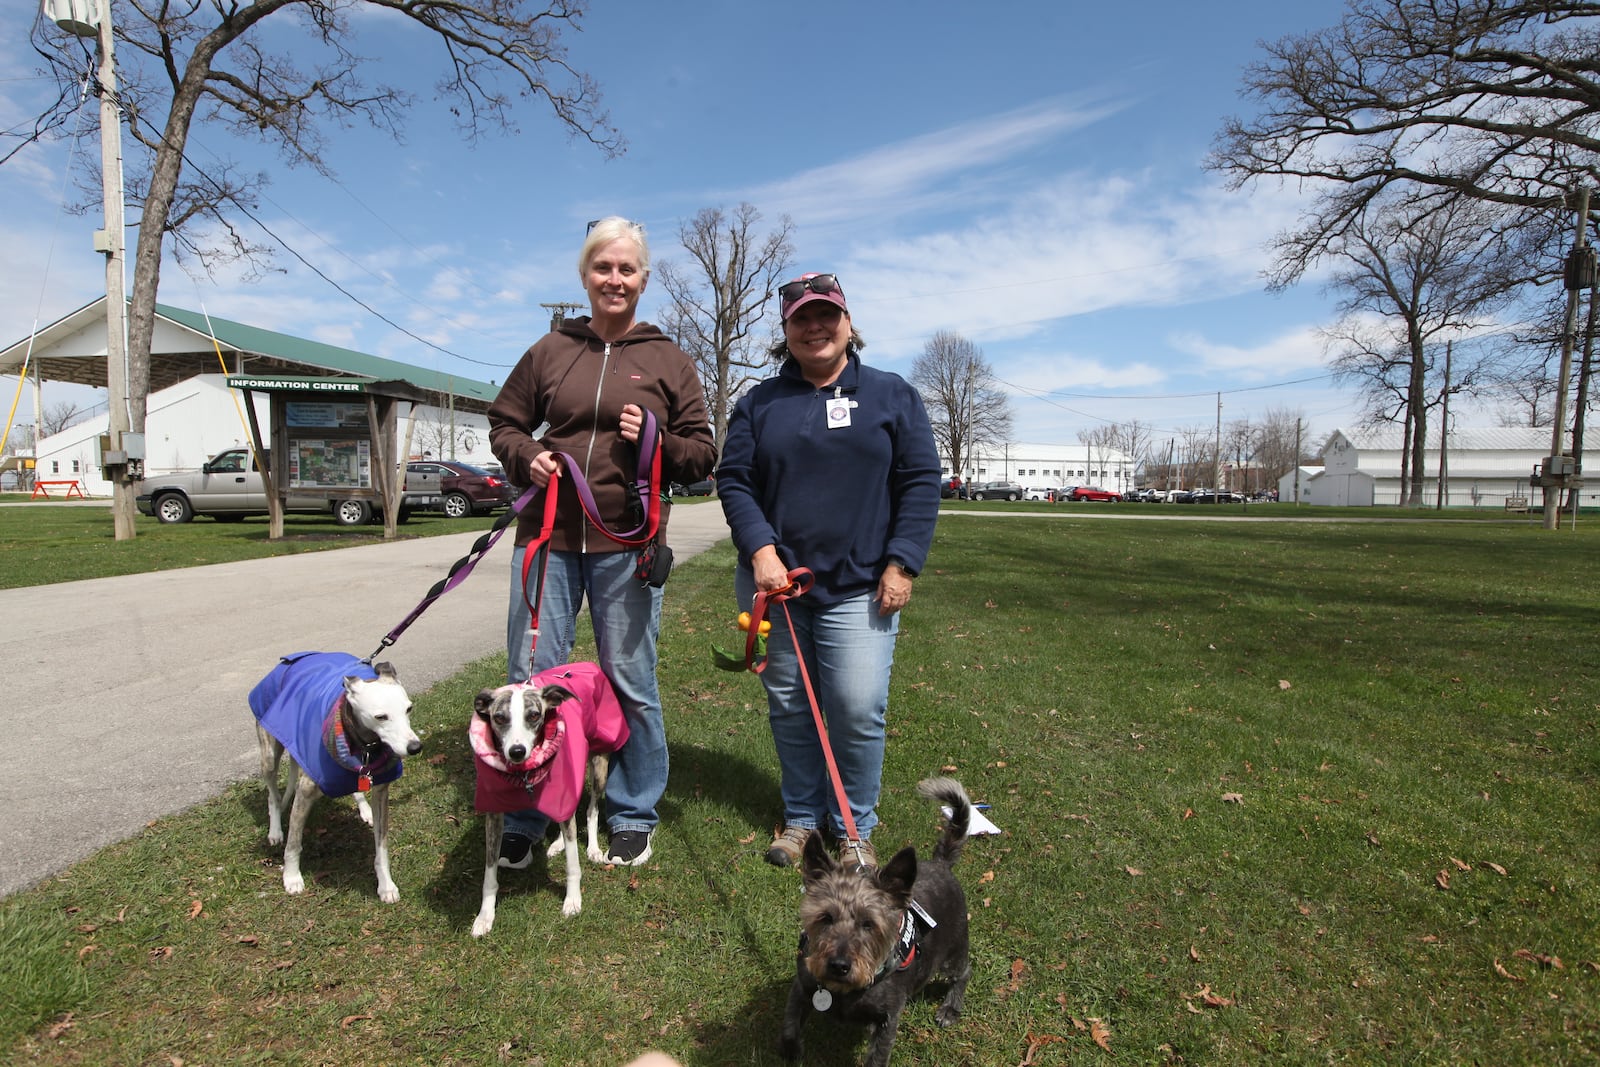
x: 578, y: 383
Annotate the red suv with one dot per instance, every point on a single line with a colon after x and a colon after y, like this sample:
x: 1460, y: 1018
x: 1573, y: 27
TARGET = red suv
x: 457, y: 489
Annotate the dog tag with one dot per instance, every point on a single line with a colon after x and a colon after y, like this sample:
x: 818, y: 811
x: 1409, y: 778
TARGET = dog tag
x: 822, y: 1000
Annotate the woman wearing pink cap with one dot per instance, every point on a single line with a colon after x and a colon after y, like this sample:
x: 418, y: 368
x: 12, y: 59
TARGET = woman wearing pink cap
x: 829, y: 465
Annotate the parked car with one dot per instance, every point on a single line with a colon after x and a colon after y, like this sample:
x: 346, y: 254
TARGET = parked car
x: 704, y: 487
x: 1039, y: 492
x: 228, y: 487
x: 998, y: 491
x: 1093, y: 492
x: 457, y: 489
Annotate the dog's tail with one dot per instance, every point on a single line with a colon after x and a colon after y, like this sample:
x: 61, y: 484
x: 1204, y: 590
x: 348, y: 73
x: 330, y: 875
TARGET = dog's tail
x: 949, y: 793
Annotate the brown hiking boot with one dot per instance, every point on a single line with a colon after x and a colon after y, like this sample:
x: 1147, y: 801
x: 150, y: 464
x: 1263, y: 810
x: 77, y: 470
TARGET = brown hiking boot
x: 867, y: 857
x: 787, y: 846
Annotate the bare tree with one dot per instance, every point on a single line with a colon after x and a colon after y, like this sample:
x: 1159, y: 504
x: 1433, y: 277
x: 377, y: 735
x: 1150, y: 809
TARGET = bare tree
x: 1424, y: 279
x: 1198, y: 455
x: 719, y: 304
x: 1132, y: 439
x: 1277, y: 443
x: 1485, y: 100
x: 58, y: 416
x: 194, y: 60
x: 967, y: 408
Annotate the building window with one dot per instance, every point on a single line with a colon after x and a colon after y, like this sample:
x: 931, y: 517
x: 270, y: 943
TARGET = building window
x: 55, y: 466
x: 75, y: 468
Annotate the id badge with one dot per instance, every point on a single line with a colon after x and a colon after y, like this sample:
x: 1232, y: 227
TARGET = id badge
x: 838, y: 409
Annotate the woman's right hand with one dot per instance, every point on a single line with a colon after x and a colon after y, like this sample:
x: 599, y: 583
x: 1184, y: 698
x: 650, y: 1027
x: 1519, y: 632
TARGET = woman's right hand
x: 770, y: 573
x: 541, y: 468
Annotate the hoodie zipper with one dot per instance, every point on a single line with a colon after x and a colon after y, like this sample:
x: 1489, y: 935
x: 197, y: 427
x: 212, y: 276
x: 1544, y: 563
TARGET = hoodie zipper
x: 588, y: 455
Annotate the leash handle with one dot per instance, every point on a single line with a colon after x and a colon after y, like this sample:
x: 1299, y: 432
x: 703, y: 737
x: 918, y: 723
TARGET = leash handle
x: 800, y: 582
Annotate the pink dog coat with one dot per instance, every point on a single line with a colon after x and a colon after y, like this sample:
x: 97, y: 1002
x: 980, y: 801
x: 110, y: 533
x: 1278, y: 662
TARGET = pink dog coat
x: 551, y: 778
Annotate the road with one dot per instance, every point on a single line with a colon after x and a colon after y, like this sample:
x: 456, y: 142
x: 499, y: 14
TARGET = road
x: 126, y: 697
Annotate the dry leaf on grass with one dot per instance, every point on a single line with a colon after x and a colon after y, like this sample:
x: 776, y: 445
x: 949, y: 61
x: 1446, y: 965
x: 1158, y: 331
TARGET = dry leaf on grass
x: 196, y: 906
x: 1194, y: 954
x: 1495, y: 867
x: 1233, y: 798
x: 1101, y: 1034
x: 1283, y: 683
x: 986, y: 877
x: 1037, y: 1042
x: 1503, y: 973
x: 1442, y: 879
x: 1018, y: 969
x: 345, y: 1023
x: 1460, y: 865
x: 86, y: 949
x: 59, y: 1028
x: 1213, y: 1000
x: 1540, y: 958
x: 162, y: 953
x: 1136, y: 872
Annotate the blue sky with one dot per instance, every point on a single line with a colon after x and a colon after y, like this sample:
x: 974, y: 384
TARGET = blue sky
x: 1026, y: 174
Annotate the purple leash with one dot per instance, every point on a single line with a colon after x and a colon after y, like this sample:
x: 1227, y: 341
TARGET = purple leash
x: 644, y: 484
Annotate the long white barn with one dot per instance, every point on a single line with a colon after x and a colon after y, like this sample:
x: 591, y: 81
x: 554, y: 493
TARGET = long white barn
x: 1483, y: 467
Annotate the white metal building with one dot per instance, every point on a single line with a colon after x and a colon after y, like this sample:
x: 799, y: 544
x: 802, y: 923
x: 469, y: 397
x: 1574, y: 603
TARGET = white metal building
x: 1049, y: 466
x: 1483, y: 468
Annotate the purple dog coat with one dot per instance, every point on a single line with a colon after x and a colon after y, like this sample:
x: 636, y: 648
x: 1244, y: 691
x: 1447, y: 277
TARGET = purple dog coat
x: 551, y: 778
x: 298, y: 703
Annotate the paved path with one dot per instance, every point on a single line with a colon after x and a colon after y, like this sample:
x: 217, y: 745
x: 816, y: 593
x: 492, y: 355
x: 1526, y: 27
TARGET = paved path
x: 124, y: 698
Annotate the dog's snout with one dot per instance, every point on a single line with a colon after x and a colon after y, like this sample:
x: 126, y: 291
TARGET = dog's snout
x: 517, y: 753
x: 839, y: 966
x: 413, y: 747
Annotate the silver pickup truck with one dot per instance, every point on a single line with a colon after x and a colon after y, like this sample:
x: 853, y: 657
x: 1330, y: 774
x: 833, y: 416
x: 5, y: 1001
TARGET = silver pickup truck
x: 228, y: 487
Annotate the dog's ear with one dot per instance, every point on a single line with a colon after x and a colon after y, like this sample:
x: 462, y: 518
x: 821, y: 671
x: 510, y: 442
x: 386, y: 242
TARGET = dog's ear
x: 815, y: 861
x: 553, y: 696
x: 899, y: 873
x: 483, y: 702
x: 386, y: 672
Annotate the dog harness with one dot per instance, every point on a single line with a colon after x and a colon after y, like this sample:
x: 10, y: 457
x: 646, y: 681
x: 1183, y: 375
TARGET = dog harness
x: 551, y: 778
x: 300, y: 703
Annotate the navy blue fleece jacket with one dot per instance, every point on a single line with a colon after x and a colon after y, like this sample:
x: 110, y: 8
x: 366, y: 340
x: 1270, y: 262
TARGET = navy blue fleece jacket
x: 840, y: 500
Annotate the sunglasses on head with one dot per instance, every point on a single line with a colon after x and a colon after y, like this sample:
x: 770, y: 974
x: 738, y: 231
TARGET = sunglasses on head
x: 821, y: 284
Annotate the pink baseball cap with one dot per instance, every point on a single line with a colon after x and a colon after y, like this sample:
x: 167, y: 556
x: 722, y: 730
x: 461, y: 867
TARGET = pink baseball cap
x: 807, y: 288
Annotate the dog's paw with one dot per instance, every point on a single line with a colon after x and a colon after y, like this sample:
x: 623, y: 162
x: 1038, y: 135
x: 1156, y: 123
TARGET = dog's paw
x: 947, y: 1015
x: 274, y: 837
x: 789, y: 1048
x: 557, y: 847
x: 389, y: 894
x: 364, y: 809
x: 572, y: 905
x: 482, y: 924
x: 597, y: 855
x: 293, y: 883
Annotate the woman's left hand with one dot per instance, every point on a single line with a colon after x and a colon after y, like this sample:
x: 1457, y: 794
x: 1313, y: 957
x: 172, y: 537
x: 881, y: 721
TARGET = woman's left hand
x: 894, y: 590
x: 631, y: 422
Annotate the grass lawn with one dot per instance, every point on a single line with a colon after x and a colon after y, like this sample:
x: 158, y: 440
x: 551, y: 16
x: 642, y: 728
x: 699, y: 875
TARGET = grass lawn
x: 41, y: 544
x: 1300, y: 793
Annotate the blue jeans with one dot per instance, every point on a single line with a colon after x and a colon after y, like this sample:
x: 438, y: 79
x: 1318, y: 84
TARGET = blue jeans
x: 626, y: 614
x: 849, y: 650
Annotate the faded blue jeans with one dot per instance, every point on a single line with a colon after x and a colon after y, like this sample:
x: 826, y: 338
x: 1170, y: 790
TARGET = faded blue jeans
x: 849, y: 650
x: 626, y: 614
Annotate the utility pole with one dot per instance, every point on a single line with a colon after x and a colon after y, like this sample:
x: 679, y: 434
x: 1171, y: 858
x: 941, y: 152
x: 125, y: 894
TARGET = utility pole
x: 1444, y: 436
x: 1558, y: 471
x: 123, y: 453
x: 558, y: 312
x: 1216, y: 456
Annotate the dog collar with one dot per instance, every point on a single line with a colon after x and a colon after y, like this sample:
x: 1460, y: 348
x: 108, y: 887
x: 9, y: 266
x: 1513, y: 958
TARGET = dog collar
x: 363, y: 766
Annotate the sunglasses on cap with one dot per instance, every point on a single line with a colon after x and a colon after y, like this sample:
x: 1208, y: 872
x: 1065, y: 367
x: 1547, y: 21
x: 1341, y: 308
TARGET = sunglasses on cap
x: 821, y: 284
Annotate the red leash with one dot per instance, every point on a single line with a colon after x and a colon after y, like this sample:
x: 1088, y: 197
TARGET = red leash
x: 800, y: 580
